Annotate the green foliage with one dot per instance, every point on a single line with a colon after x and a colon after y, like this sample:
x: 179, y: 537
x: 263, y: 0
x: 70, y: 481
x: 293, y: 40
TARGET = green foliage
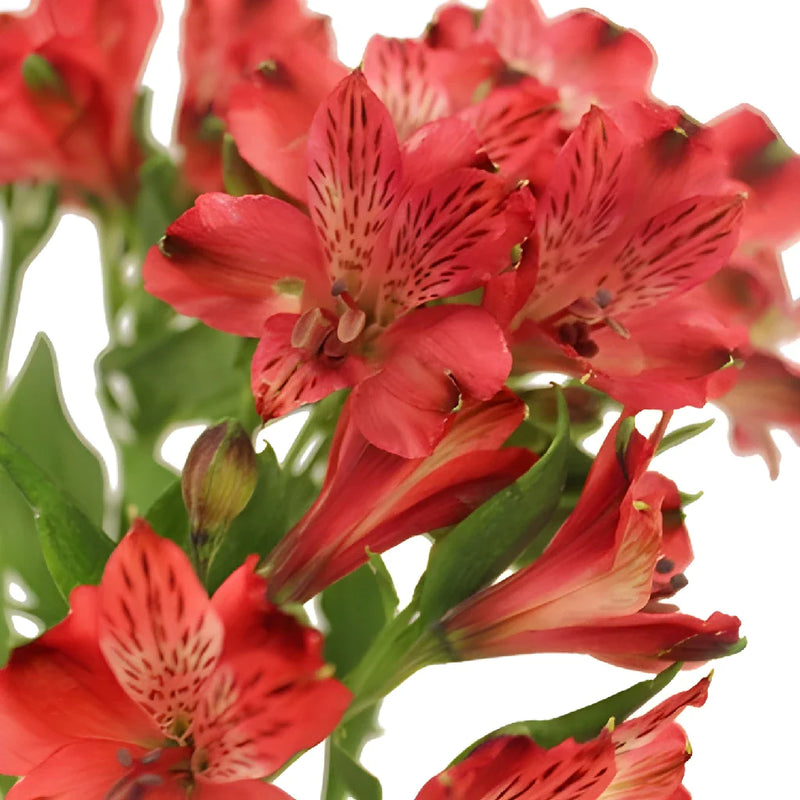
x: 74, y: 548
x: 58, y: 473
x: 480, y: 547
x: 345, y: 777
x: 585, y: 723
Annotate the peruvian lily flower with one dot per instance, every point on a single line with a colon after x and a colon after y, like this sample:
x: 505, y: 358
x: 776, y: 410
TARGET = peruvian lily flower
x: 633, y: 216
x: 336, y: 296
x: 592, y: 590
x: 588, y: 59
x: 372, y: 500
x: 642, y: 758
x: 68, y: 81
x: 150, y: 686
x: 224, y: 43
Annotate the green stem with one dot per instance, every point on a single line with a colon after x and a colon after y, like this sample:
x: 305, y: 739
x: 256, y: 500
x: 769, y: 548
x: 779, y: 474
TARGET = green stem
x: 11, y: 287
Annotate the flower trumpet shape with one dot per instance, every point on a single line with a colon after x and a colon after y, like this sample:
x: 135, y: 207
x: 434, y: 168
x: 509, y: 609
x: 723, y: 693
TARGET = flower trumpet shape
x: 336, y: 295
x: 150, y: 686
x: 595, y: 588
x: 642, y: 759
x: 374, y: 500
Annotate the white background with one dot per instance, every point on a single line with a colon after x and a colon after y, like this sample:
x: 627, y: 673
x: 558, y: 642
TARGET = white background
x: 712, y: 56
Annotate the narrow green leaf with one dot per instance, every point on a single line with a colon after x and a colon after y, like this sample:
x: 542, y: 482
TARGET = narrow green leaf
x: 683, y: 435
x: 6, y: 782
x: 168, y: 517
x: 480, y: 547
x: 389, y: 599
x: 74, y: 548
x: 585, y: 723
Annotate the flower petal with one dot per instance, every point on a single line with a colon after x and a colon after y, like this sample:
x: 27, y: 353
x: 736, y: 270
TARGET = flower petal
x: 433, y: 355
x: 270, y: 115
x: 232, y: 261
x: 270, y: 696
x: 59, y: 688
x: 354, y: 178
x: 238, y: 790
x: 516, y: 767
x: 450, y: 234
x: 584, y: 201
x: 158, y: 632
x: 284, y: 377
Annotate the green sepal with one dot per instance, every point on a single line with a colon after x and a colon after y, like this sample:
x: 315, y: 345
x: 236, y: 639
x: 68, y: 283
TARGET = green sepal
x: 480, y: 547
x: 682, y: 435
x: 585, y: 723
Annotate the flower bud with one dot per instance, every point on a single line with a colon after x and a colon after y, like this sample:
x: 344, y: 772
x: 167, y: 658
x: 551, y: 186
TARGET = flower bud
x: 218, y: 480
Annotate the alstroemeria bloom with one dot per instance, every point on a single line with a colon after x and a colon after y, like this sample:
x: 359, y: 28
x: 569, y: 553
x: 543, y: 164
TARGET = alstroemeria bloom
x: 224, y: 42
x: 373, y: 500
x: 149, y: 686
x: 389, y: 231
x: 636, y: 213
x: 69, y: 74
x: 591, y: 591
x: 587, y: 58
x: 641, y: 759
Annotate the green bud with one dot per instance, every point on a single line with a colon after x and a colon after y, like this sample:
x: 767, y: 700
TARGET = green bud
x: 219, y: 478
x: 40, y: 75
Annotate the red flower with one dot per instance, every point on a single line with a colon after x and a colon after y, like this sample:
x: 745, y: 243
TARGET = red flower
x: 592, y: 590
x: 68, y: 81
x: 642, y: 758
x: 231, y: 686
x: 388, y: 231
x: 583, y: 55
x: 224, y: 42
x: 373, y: 500
x: 632, y: 218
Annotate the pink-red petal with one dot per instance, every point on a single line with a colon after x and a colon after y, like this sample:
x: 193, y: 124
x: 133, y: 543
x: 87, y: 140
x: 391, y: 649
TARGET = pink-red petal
x: 157, y: 629
x: 232, y: 261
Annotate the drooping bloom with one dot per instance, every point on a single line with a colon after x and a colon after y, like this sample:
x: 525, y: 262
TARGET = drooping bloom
x: 642, y: 758
x: 373, y: 500
x: 225, y: 44
x: 637, y: 211
x: 594, y: 589
x: 229, y: 687
x: 68, y: 80
x: 336, y: 296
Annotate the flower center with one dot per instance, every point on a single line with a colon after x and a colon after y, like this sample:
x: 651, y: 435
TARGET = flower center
x: 149, y: 772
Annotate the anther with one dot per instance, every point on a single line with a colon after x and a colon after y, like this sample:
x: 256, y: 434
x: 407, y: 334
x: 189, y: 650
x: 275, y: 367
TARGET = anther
x: 124, y: 757
x: 603, y: 297
x: 338, y: 287
x: 664, y: 565
x: 678, y: 581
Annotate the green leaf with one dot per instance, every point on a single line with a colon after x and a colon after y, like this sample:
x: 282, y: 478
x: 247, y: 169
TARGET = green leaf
x: 585, y: 723
x: 32, y: 410
x: 683, y: 435
x: 480, y: 547
x: 74, y: 548
x: 33, y: 413
x: 192, y: 374
x: 347, y: 778
x: 357, y: 607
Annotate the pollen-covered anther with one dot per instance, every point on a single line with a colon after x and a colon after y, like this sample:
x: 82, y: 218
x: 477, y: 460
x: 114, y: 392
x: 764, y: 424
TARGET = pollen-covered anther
x: 664, y: 566
x: 577, y: 335
x: 679, y: 581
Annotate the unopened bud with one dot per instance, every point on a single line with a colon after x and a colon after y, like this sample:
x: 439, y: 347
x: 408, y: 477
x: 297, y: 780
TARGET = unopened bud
x: 218, y: 480
x: 40, y: 75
